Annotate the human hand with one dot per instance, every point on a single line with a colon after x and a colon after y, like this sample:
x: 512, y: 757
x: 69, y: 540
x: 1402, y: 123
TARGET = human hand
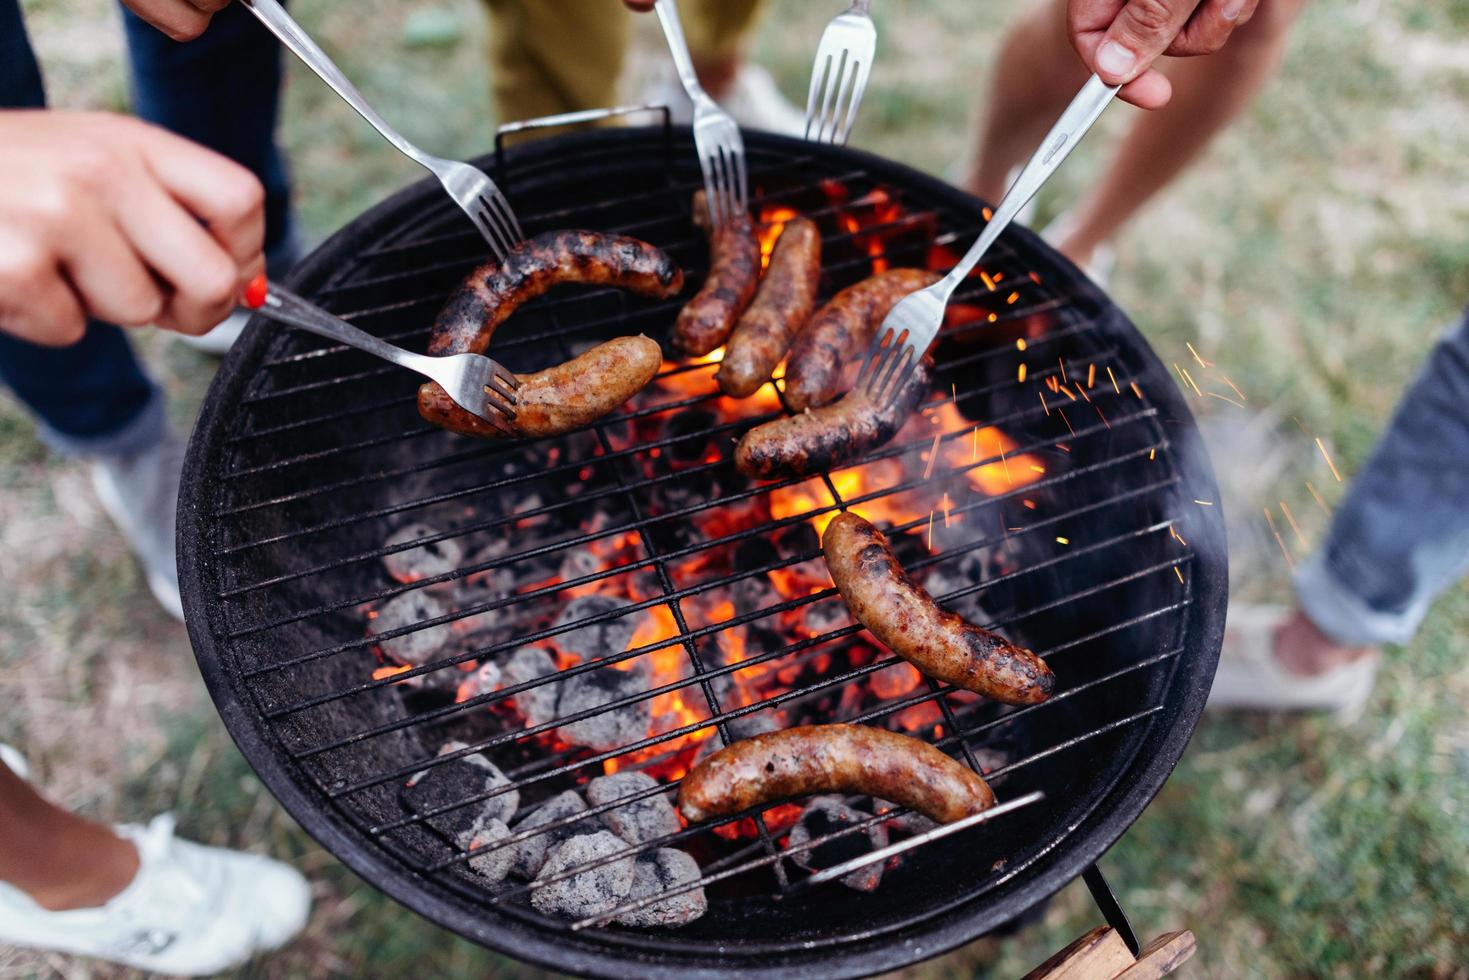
x: 106, y: 216
x: 641, y: 6
x: 182, y: 20
x: 1120, y: 39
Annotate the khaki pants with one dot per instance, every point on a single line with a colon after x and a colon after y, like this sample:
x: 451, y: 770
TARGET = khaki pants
x: 552, y: 56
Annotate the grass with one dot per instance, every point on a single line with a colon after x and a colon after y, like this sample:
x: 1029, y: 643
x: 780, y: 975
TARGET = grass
x: 1313, y: 254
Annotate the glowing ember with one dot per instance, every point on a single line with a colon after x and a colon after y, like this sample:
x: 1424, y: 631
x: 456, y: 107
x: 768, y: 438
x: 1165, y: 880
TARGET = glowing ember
x: 392, y: 670
x: 773, y: 220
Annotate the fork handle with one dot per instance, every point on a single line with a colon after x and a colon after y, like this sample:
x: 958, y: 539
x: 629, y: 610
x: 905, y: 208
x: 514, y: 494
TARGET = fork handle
x: 284, y: 306
x: 678, y: 46
x: 1058, y: 144
x: 284, y: 26
x: 860, y: 6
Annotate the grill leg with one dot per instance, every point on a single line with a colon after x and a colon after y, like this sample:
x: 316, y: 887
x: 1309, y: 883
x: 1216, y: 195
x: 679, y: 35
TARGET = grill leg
x: 1111, y: 909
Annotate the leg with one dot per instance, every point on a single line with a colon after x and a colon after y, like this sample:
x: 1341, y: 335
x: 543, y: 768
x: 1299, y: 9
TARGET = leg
x: 716, y: 31
x: 57, y: 858
x: 540, y: 65
x: 221, y: 91
x: 1036, y: 75
x: 1208, y: 93
x: 1401, y: 537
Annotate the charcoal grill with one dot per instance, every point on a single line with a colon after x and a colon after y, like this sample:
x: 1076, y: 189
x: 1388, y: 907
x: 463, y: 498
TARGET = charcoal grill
x: 307, y: 457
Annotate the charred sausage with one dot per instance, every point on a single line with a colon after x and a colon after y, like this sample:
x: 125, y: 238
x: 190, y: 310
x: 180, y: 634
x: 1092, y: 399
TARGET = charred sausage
x: 783, y: 304
x: 492, y: 292
x: 904, y: 617
x: 839, y: 334
x: 826, y: 437
x: 734, y: 272
x: 566, y: 397
x: 833, y: 759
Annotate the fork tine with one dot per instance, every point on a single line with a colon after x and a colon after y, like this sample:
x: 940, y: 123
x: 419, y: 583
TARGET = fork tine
x: 900, y: 378
x: 874, y: 352
x: 506, y: 377
x: 859, y: 86
x: 721, y: 186
x: 503, y: 242
x: 487, y: 232
x: 819, y: 71
x: 731, y: 180
x: 885, y: 390
x: 849, y: 78
x: 497, y: 386
x: 833, y: 83
x: 711, y: 190
x: 501, y: 207
x: 496, y: 416
x: 742, y: 182
x: 891, y: 363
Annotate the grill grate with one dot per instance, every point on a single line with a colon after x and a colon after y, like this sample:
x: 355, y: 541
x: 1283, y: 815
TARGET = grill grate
x: 322, y: 456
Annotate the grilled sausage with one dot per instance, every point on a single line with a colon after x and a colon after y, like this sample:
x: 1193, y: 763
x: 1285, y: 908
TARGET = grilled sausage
x: 904, y: 617
x: 826, y: 437
x: 839, y: 334
x: 833, y: 759
x: 566, y: 397
x: 492, y: 292
x: 783, y: 304
x: 734, y: 272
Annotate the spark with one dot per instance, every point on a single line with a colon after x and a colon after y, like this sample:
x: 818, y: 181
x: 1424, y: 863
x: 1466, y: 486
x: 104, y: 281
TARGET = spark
x: 1021, y: 373
x: 1037, y: 468
x: 930, y: 530
x: 1098, y: 409
x: 1327, y: 456
x: 1293, y: 525
x: 1066, y: 391
x: 988, y: 214
x: 1028, y: 503
x: 944, y: 503
x: 1289, y: 562
x: 999, y: 277
x: 1043, y: 401
x: 1053, y: 384
x: 954, y: 390
x: 1003, y: 461
x: 1067, y: 421
x: 1188, y: 378
x: 1061, y: 540
x: 1202, y: 363
x: 1035, y: 277
x: 933, y: 455
x: 1224, y: 398
x: 1063, y: 370
x: 1231, y: 384
x: 993, y: 318
x: 1091, y: 375
x: 1321, y: 503
x: 1114, y: 380
x: 974, y: 445
x: 1176, y: 536
x: 1137, y: 391
x: 989, y: 283
x: 1084, y: 396
x: 1020, y: 344
x: 1152, y: 454
x: 1012, y: 299
x: 1180, y: 575
x: 1203, y: 503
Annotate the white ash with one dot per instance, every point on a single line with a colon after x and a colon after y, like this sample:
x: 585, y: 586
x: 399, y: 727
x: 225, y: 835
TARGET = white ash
x: 641, y: 820
x: 603, y: 639
x: 488, y: 584
x: 578, y: 563
x: 612, y: 727
x: 493, y: 864
x: 424, y: 561
x: 589, y: 892
x: 538, y: 704
x: 453, y: 781
x: 911, y: 822
x: 943, y: 581
x: 825, y: 815
x: 420, y: 646
x: 753, y: 593
x: 661, y: 871
x: 825, y: 616
x: 742, y: 727
x: 486, y: 679
x: 530, y: 854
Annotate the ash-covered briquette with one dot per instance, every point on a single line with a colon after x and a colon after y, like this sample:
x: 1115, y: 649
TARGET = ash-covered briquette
x: 424, y: 561
x: 530, y: 854
x: 420, y: 646
x: 612, y: 727
x: 451, y: 782
x: 641, y: 820
x: 826, y: 815
x: 745, y: 726
x: 753, y: 593
x: 493, y: 864
x: 537, y: 704
x: 661, y: 871
x: 602, y: 639
x: 486, y: 679
x: 825, y: 616
x: 589, y: 892
x: 951, y: 576
x: 578, y: 563
x: 488, y: 584
x: 909, y: 823
x: 691, y: 431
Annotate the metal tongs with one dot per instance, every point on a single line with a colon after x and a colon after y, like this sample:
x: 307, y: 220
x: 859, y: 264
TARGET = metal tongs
x: 478, y: 384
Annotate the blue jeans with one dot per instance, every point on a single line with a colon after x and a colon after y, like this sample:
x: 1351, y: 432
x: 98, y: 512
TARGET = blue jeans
x: 222, y: 91
x: 1401, y: 537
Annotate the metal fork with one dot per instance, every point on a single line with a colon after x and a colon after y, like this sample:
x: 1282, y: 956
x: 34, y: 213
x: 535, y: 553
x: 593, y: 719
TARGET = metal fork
x: 910, y: 327
x: 716, y: 136
x: 477, y: 384
x: 474, y: 191
x: 839, y: 76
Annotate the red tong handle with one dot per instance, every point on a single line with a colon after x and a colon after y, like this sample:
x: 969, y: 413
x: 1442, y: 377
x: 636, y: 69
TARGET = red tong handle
x: 255, y: 292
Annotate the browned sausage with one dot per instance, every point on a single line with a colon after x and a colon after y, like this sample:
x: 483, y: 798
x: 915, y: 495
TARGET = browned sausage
x: 784, y: 303
x: 833, y: 759
x: 904, y: 617
x: 734, y: 272
x: 566, y: 397
x: 492, y: 292
x: 839, y: 333
x: 826, y: 437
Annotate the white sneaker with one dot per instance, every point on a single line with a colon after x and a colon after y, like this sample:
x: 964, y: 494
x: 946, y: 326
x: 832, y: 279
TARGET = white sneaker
x: 14, y: 761
x: 1249, y: 677
x: 191, y: 910
x: 753, y: 100
x: 1104, y: 258
x: 140, y: 493
x: 217, y: 342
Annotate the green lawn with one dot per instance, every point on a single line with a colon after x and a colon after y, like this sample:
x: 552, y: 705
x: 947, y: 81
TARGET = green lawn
x: 1313, y: 255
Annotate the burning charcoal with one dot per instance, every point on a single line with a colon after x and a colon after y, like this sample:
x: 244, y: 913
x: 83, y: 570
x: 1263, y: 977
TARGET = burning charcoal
x: 755, y: 553
x: 797, y: 541
x: 489, y: 584
x: 425, y: 561
x: 538, y: 704
x: 493, y: 864
x: 452, y: 782
x: 598, y: 639
x: 530, y: 854
x: 579, y: 563
x: 908, y: 823
x: 745, y: 726
x: 589, y: 892
x: 641, y: 820
x: 612, y: 728
x: 826, y: 815
x: 825, y: 616
x: 688, y: 427
x: 661, y: 871
x: 420, y: 646
x: 753, y: 593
